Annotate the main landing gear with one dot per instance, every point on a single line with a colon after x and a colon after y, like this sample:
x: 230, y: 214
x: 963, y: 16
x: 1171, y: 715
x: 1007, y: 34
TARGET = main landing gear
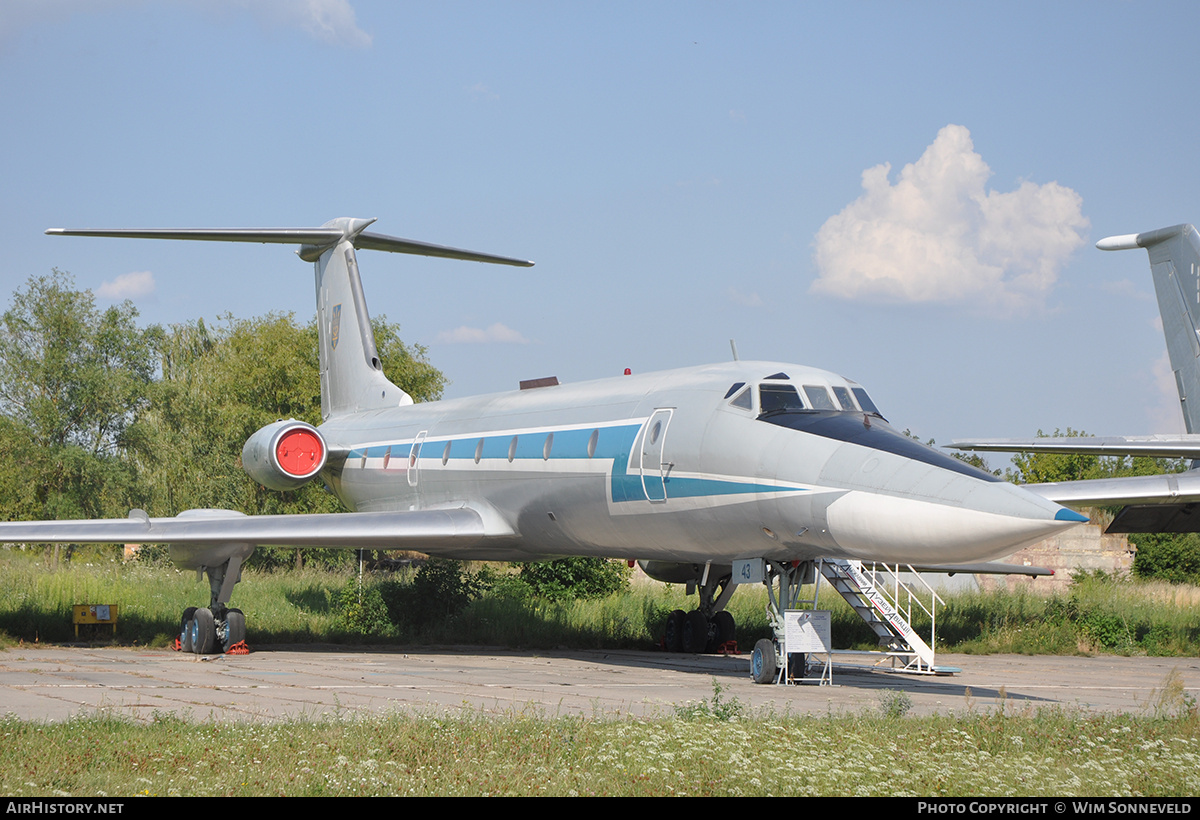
x: 216, y: 628
x: 708, y: 628
x: 208, y: 631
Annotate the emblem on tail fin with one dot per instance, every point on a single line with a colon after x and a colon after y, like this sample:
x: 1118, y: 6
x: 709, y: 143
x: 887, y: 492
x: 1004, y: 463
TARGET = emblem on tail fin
x: 335, y: 325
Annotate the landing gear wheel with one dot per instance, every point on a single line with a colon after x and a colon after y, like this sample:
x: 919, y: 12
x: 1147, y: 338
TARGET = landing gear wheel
x: 203, y: 632
x: 674, y: 636
x: 235, y: 629
x: 724, y: 629
x: 762, y: 662
x: 695, y: 632
x: 185, y: 629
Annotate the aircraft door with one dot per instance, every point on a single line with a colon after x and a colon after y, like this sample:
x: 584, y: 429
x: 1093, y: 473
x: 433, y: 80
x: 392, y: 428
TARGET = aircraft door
x: 654, y: 466
x: 414, y: 457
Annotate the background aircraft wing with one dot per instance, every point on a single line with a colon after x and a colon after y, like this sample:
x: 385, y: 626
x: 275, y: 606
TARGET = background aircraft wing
x: 1151, y: 503
x: 1180, y: 446
x: 437, y: 531
x: 987, y: 568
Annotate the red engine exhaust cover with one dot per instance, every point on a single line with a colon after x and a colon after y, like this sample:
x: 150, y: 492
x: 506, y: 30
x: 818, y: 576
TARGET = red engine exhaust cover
x: 300, y: 452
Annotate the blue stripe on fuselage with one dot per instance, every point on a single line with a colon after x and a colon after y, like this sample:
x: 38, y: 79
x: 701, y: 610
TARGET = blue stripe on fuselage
x: 613, y: 444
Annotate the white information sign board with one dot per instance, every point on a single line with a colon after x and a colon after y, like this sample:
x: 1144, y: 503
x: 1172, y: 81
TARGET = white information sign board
x: 807, y: 631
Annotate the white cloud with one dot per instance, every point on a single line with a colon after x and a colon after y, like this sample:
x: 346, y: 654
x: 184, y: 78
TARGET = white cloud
x: 481, y: 91
x: 128, y: 286
x: 751, y: 299
x: 331, y: 21
x: 495, y: 334
x: 939, y: 235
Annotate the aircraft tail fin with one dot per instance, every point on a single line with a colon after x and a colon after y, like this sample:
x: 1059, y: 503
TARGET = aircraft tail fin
x: 351, y: 374
x: 1175, y: 266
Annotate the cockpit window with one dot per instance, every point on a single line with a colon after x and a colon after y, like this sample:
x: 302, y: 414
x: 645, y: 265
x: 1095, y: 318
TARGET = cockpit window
x: 843, y: 397
x: 864, y: 401
x: 775, y: 397
x: 744, y: 399
x: 736, y: 387
x: 819, y: 397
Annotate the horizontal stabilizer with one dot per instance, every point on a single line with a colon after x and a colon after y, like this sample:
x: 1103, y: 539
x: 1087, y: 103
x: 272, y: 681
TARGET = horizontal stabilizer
x: 311, y: 238
x: 1147, y: 239
x: 382, y: 242
x: 1180, y: 446
x: 280, y: 236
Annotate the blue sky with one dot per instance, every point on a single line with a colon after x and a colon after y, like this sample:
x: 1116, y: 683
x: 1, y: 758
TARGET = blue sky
x: 904, y: 193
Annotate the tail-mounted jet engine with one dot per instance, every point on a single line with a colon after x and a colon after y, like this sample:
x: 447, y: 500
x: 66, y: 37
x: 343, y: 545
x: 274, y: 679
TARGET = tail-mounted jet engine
x: 284, y: 455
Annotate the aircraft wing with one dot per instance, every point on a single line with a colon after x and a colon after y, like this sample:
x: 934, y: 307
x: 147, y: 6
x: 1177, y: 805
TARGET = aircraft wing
x: 1151, y: 503
x: 440, y: 530
x: 1181, y: 446
x: 1169, y: 488
x: 987, y: 568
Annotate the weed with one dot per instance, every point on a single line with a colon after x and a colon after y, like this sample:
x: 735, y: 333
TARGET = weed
x: 716, y: 708
x: 361, y: 609
x: 894, y: 704
x: 1173, y: 700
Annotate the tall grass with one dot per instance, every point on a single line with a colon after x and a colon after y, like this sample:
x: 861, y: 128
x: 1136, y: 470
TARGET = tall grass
x: 694, y: 752
x: 1097, y: 613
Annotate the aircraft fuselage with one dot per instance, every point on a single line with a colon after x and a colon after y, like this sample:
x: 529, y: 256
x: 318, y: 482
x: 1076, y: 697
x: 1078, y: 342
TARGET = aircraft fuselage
x: 671, y: 466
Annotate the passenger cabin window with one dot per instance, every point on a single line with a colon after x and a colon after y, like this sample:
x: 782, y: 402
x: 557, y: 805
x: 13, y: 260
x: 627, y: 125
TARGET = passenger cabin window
x: 775, y: 397
x: 819, y: 397
x: 843, y: 397
x: 744, y: 400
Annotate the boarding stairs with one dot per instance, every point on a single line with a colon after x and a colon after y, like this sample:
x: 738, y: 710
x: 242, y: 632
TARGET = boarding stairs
x: 886, y: 602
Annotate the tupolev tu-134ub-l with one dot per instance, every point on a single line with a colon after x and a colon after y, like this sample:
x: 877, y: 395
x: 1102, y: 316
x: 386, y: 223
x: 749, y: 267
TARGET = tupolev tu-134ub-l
x: 689, y: 471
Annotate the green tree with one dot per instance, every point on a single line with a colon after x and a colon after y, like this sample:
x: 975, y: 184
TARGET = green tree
x: 576, y: 577
x: 1173, y: 557
x: 72, y: 374
x: 73, y: 381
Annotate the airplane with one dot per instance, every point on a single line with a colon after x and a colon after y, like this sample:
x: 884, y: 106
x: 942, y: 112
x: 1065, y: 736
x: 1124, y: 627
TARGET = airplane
x: 1155, y: 503
x: 688, y: 470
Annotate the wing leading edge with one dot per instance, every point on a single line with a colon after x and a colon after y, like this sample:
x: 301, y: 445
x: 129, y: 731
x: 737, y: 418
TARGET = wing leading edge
x: 438, y: 531
x: 1182, y: 446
